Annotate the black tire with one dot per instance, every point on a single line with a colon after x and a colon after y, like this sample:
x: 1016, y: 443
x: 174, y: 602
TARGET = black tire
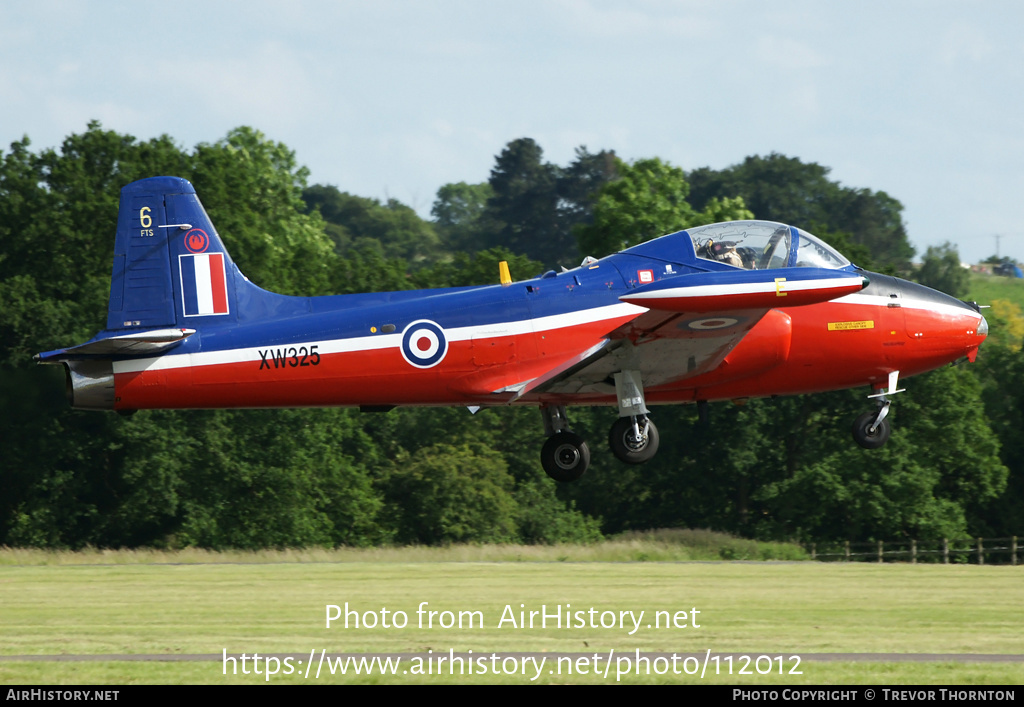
x: 627, y: 448
x: 565, y: 457
x: 862, y: 431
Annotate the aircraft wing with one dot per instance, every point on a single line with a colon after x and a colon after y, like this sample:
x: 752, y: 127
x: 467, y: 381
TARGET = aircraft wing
x: 692, y: 324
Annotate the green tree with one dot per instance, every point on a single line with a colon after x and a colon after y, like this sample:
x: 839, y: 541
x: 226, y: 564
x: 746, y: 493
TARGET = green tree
x: 447, y: 494
x: 358, y: 222
x: 481, y: 268
x: 580, y: 183
x: 536, y: 205
x: 364, y: 268
x: 648, y: 200
x: 252, y: 189
x: 1000, y: 368
x: 941, y: 270
x: 459, y: 213
x: 942, y: 461
x: 781, y: 468
x: 279, y: 478
x: 780, y: 188
x: 541, y: 515
x: 525, y: 203
x: 225, y: 478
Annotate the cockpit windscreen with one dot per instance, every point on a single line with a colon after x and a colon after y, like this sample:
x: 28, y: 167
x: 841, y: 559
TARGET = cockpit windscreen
x: 763, y: 245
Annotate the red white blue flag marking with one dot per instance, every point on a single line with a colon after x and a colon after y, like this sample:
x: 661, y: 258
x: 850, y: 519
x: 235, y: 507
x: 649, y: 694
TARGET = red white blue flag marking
x: 204, y: 288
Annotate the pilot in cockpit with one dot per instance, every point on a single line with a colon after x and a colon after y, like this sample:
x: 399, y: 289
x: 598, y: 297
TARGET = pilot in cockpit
x: 727, y: 252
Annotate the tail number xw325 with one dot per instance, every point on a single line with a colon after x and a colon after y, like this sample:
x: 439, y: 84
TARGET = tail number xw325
x: 289, y: 357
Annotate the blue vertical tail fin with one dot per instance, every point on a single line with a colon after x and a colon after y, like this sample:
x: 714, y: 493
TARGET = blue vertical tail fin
x: 172, y: 277
x: 170, y: 267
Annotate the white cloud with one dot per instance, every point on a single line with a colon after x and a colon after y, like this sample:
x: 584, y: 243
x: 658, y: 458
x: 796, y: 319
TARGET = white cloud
x: 964, y: 43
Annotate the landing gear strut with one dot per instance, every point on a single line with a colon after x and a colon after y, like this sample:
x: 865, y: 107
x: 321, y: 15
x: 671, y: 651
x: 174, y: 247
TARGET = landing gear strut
x: 633, y: 438
x: 871, y: 430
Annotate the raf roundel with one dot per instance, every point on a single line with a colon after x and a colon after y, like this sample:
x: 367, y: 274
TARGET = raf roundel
x: 712, y: 323
x: 424, y: 344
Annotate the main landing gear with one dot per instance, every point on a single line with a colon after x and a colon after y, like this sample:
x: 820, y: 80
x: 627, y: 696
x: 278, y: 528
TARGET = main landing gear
x: 871, y: 430
x: 633, y: 438
x: 565, y: 455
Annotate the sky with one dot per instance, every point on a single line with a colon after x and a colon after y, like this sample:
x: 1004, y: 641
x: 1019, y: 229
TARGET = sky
x: 393, y: 99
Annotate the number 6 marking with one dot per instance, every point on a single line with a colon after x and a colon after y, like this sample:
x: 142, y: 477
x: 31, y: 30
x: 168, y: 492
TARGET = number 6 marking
x: 144, y: 217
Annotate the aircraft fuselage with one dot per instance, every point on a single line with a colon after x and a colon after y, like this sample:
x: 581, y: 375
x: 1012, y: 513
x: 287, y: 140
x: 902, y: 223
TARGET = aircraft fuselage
x: 726, y: 311
x: 364, y: 350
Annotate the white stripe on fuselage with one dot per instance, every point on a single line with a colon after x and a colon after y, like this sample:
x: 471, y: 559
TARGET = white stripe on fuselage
x: 383, y: 341
x: 743, y: 288
x: 907, y: 303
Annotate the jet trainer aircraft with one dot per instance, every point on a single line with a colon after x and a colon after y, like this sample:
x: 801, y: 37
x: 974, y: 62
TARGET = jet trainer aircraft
x: 720, y: 312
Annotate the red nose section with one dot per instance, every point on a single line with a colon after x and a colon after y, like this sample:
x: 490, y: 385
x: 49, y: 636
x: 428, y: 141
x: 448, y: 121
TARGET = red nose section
x: 980, y: 333
x: 942, y: 329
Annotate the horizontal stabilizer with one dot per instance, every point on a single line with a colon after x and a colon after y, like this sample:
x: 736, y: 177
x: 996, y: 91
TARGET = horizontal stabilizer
x: 756, y: 289
x: 136, y: 343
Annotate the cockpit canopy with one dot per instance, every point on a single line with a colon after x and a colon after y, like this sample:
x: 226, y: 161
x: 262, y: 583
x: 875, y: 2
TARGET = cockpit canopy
x: 762, y: 245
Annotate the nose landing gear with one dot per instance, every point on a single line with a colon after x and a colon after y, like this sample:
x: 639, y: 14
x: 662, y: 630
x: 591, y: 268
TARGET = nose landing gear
x: 871, y: 430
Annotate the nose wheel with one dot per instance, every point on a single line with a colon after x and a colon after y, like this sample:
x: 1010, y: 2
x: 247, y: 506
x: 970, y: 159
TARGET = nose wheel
x: 871, y: 430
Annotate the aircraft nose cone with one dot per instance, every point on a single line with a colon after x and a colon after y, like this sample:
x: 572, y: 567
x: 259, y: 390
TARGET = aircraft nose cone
x: 980, y: 334
x: 942, y: 327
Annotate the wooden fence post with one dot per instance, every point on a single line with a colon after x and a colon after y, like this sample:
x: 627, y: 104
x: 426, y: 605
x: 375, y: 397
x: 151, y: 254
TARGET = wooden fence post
x: 880, y: 551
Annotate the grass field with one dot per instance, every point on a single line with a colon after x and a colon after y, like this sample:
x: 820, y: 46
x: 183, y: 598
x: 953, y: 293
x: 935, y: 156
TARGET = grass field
x: 985, y: 288
x: 177, y: 604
